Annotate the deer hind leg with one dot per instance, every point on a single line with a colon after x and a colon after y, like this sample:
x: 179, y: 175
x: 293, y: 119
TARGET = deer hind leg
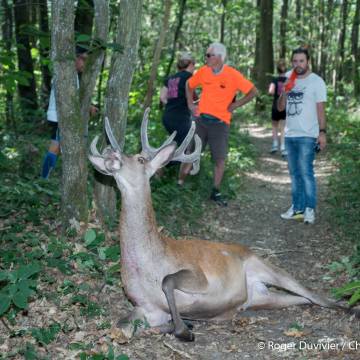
x: 263, y: 298
x: 186, y: 281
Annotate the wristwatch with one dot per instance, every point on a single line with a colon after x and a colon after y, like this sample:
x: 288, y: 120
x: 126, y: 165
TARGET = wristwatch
x: 323, y: 131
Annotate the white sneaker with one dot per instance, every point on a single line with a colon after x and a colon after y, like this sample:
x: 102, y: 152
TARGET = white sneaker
x: 290, y: 214
x: 283, y: 151
x: 274, y: 148
x: 309, y: 216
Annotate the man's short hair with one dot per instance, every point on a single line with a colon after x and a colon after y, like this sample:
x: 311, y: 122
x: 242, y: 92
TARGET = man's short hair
x: 79, y: 50
x: 301, y: 50
x: 218, y: 49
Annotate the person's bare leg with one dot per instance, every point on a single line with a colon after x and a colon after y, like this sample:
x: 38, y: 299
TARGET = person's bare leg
x: 184, y: 171
x: 282, y: 137
x: 218, y: 175
x: 275, y: 138
x: 218, y: 172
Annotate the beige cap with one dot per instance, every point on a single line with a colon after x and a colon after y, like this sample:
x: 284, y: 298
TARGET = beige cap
x: 185, y: 55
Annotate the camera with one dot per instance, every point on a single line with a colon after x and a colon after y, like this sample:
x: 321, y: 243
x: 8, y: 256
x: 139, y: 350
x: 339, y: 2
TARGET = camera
x: 317, y: 147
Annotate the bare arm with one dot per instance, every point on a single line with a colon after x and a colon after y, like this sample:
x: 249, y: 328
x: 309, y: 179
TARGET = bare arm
x: 244, y: 100
x: 320, y: 108
x: 163, y: 95
x: 190, y: 99
x: 271, y: 90
x: 281, y: 103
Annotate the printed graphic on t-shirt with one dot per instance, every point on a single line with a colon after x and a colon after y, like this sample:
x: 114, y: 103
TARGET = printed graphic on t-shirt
x: 295, y: 102
x: 173, y: 88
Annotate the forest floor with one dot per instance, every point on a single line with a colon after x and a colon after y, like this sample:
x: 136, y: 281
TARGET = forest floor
x: 253, y: 219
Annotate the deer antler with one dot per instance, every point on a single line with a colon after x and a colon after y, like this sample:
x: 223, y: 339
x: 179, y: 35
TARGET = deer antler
x: 179, y: 154
x: 94, y: 153
x: 111, y: 136
x: 148, y: 150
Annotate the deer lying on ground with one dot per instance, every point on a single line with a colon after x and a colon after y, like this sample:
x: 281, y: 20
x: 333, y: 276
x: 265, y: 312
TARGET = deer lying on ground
x: 168, y: 279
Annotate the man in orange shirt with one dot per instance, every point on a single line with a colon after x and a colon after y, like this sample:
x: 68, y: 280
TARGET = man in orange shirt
x: 220, y: 84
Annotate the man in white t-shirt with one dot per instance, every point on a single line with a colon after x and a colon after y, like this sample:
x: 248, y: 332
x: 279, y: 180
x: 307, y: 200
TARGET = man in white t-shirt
x: 305, y: 131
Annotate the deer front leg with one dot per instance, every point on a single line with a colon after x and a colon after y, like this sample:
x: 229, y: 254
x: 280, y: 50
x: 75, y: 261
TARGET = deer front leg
x: 186, y: 281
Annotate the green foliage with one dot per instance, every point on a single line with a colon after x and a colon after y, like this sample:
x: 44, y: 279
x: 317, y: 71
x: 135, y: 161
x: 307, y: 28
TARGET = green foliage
x: 351, y: 290
x: 17, y: 286
x: 344, y: 195
x: 45, y: 336
x: 100, y: 356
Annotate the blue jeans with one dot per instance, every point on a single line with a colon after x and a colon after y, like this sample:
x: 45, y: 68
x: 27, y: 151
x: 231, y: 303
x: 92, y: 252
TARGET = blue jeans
x: 301, y: 154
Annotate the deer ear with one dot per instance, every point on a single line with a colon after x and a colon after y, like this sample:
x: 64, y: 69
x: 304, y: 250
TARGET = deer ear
x: 162, y: 158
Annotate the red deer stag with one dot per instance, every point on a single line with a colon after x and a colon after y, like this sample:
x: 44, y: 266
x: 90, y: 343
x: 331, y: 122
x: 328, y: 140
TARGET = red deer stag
x: 170, y: 279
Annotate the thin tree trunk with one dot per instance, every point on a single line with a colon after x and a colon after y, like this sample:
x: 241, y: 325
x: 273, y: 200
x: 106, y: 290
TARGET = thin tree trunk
x: 44, y: 50
x: 255, y: 74
x: 222, y: 22
x: 100, y: 85
x: 157, y: 54
x: 283, y: 20
x: 355, y: 53
x: 27, y: 92
x: 266, y: 56
x: 341, y: 49
x: 298, y: 19
x: 95, y: 59
x: 7, y: 35
x: 176, y: 35
x: 117, y: 93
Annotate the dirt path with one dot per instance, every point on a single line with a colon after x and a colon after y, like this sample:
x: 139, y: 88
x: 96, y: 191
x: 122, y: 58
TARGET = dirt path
x: 303, y: 250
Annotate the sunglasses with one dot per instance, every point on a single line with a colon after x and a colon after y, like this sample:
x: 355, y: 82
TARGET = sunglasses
x: 209, y: 55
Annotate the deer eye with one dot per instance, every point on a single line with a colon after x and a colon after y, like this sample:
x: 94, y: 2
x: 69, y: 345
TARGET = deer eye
x: 141, y: 160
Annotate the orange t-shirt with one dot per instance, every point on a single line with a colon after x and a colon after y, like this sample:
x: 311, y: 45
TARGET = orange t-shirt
x: 218, y: 90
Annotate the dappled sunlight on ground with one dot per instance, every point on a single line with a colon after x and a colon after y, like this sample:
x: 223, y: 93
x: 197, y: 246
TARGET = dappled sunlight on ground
x: 276, y: 178
x: 259, y: 132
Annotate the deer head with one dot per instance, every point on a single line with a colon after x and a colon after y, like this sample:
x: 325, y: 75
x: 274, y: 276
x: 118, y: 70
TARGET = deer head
x: 127, y: 169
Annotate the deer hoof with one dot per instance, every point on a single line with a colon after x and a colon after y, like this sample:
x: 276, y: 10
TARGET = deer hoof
x: 185, y: 335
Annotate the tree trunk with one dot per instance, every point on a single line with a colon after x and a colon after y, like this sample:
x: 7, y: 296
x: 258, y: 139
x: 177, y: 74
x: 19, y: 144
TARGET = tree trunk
x: 266, y: 55
x: 7, y: 35
x: 341, y: 49
x: 326, y: 27
x: 298, y: 20
x: 176, y: 36
x: 117, y: 94
x: 255, y: 72
x: 28, y: 97
x: 222, y: 23
x: 73, y: 187
x: 94, y: 60
x: 283, y: 20
x: 157, y: 53
x: 44, y: 50
x: 355, y: 53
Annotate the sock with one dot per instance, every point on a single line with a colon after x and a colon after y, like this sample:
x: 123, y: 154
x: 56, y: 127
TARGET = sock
x: 48, y: 164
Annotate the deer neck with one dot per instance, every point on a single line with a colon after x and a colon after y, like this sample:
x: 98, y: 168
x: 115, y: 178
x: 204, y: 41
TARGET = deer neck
x: 138, y: 228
